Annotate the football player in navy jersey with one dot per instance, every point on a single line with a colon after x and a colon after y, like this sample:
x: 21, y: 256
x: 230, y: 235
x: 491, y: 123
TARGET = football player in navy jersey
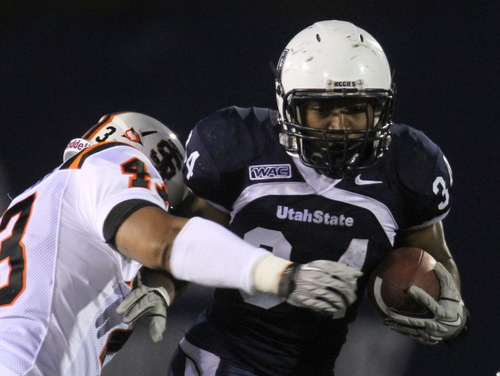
x: 327, y: 176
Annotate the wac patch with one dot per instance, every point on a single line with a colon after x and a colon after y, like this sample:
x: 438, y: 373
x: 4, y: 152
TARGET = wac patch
x: 278, y: 171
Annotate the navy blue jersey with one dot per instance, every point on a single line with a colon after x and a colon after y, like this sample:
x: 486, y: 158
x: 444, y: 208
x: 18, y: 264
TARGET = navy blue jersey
x: 235, y: 161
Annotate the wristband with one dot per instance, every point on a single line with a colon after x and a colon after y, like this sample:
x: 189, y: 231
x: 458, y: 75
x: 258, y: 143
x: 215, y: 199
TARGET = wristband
x: 268, y: 272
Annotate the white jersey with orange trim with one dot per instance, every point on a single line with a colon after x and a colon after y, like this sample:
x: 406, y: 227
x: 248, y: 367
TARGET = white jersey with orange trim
x: 60, y: 277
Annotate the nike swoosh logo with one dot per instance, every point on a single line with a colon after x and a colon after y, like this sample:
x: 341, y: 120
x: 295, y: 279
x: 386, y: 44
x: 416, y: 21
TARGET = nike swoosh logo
x: 360, y: 181
x: 457, y: 322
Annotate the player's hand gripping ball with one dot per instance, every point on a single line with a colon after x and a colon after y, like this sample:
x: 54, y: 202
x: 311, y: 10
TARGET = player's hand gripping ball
x: 391, y: 280
x: 417, y: 296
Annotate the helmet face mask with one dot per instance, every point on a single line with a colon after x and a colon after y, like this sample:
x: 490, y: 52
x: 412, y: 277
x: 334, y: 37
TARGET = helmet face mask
x: 337, y: 62
x: 146, y: 134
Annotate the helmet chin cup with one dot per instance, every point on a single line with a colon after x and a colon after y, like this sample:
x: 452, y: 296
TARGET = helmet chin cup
x: 330, y: 60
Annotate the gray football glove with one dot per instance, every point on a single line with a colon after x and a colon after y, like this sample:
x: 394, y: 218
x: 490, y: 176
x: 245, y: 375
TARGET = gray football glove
x: 321, y: 285
x: 148, y: 302
x: 449, y: 313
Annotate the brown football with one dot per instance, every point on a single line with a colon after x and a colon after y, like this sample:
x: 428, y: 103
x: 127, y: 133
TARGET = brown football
x: 395, y: 274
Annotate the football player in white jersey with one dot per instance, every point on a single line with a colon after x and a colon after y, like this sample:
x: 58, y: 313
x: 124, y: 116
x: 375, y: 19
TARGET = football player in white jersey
x: 327, y: 176
x: 71, y: 245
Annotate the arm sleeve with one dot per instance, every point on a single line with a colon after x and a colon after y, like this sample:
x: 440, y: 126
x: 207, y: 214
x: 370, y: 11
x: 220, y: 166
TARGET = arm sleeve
x: 208, y: 254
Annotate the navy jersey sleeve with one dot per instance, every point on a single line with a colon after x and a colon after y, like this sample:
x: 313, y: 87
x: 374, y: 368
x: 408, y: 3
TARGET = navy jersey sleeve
x: 425, y: 175
x: 219, y: 148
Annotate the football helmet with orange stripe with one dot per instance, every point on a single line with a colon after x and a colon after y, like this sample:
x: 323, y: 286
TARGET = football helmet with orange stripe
x: 147, y: 134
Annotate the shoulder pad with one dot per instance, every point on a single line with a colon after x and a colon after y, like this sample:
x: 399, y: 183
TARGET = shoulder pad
x: 234, y: 135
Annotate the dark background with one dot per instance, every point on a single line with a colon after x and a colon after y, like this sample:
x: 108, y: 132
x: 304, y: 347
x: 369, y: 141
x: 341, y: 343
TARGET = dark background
x: 65, y: 64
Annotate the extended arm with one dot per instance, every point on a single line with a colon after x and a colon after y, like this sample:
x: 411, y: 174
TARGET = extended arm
x: 201, y: 251
x: 204, y: 252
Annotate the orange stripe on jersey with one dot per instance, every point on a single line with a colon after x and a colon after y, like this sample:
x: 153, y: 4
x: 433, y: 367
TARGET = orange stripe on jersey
x: 115, y: 341
x: 77, y: 161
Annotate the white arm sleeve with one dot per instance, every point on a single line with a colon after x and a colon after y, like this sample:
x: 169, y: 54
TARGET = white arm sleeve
x: 208, y: 254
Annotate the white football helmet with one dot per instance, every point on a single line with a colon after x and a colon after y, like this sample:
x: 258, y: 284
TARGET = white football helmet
x: 148, y: 135
x: 334, y: 59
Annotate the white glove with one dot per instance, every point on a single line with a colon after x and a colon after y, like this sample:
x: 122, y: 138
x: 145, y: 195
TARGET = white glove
x: 321, y: 285
x: 149, y: 302
x: 449, y: 313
